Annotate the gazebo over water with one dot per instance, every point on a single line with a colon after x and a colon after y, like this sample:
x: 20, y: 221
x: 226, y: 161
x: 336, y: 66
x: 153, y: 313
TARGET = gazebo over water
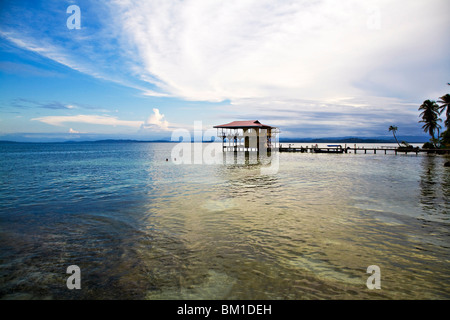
x: 250, y: 135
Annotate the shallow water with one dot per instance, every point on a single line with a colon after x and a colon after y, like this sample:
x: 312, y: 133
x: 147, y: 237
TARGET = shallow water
x: 141, y: 227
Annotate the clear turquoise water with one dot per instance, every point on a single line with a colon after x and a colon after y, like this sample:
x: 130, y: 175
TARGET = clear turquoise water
x: 141, y: 227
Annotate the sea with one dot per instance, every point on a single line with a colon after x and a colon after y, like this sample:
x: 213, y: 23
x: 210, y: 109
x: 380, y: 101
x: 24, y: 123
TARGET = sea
x: 144, y: 221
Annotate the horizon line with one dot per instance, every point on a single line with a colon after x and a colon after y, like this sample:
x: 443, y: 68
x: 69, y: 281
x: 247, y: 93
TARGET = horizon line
x: 292, y: 140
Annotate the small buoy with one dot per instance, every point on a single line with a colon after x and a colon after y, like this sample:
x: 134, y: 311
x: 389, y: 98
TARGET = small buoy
x: 167, y: 159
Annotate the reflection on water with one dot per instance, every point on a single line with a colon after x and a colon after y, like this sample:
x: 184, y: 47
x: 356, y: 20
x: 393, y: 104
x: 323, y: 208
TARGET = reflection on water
x: 434, y: 186
x: 140, y: 227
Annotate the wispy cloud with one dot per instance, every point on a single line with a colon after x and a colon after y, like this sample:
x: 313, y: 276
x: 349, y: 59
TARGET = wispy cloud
x: 345, y: 116
x: 26, y: 103
x: 92, y: 50
x: 154, y: 123
x: 208, y: 50
x: 22, y: 103
x: 89, y: 119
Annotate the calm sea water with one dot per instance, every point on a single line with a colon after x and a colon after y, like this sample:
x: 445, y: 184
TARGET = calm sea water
x: 141, y: 227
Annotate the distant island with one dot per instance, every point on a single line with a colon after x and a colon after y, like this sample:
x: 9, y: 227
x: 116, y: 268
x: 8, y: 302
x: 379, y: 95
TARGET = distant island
x: 118, y: 141
x: 342, y: 140
x: 410, y: 139
x: 92, y: 141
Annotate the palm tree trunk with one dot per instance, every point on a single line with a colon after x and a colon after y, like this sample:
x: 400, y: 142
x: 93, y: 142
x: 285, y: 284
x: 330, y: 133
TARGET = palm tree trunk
x: 437, y: 136
x: 396, y: 138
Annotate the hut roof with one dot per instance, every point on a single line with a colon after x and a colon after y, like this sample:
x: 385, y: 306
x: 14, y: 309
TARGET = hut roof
x: 244, y: 124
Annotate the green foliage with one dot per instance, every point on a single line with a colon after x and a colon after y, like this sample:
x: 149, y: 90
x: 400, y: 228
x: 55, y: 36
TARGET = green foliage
x: 405, y: 144
x: 428, y: 145
x: 430, y: 118
x: 445, y: 138
x: 394, y: 130
x: 444, y: 107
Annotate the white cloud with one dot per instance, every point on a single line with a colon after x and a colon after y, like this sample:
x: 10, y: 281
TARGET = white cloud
x: 277, y: 59
x: 89, y: 119
x: 80, y: 53
x: 297, y: 62
x: 155, y: 122
x: 216, y: 50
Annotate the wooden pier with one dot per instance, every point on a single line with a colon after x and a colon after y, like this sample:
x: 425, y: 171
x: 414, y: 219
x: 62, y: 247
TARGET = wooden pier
x: 356, y: 150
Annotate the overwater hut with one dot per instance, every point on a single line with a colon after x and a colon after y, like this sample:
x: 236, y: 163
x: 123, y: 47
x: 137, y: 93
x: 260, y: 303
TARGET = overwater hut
x: 250, y: 135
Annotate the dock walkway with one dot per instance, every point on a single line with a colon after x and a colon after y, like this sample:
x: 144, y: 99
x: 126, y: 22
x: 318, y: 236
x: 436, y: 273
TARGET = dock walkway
x: 385, y: 150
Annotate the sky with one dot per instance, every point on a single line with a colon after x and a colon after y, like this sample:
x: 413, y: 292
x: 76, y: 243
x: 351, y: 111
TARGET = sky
x: 122, y: 69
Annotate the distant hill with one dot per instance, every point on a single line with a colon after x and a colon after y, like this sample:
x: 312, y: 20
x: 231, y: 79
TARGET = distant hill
x: 91, y: 141
x: 117, y: 141
x: 410, y: 139
x: 346, y: 140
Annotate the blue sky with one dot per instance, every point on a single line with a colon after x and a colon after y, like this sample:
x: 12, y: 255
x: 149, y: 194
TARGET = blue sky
x: 142, y: 69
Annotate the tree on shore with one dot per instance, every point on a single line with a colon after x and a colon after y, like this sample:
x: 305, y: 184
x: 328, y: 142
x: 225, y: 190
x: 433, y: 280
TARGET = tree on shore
x: 444, y: 102
x: 394, y: 130
x: 430, y: 118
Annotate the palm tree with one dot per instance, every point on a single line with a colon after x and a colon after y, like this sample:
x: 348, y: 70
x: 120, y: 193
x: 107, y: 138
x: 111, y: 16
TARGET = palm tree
x: 394, y: 130
x: 445, y: 104
x: 430, y: 118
